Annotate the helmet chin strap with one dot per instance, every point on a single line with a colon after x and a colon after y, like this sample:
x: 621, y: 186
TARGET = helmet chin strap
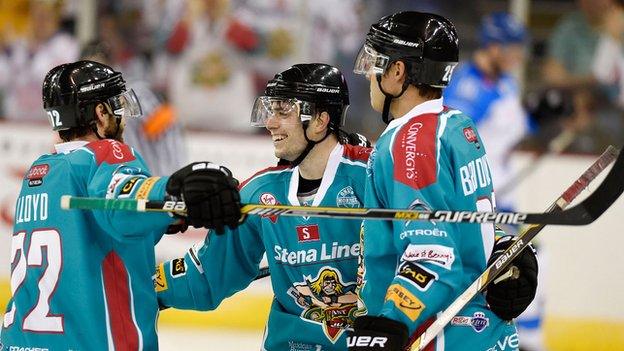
x: 309, y: 147
x: 388, y: 100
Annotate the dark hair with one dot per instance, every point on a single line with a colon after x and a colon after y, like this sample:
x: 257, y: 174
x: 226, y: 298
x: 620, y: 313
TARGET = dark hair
x: 429, y: 92
x: 83, y: 130
x: 74, y: 133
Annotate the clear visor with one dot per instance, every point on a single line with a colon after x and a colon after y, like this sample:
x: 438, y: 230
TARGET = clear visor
x: 125, y: 104
x: 286, y: 111
x: 370, y: 61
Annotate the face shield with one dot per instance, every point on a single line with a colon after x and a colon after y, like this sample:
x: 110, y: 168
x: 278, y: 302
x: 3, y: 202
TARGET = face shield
x: 125, y: 104
x: 285, y: 110
x: 370, y: 61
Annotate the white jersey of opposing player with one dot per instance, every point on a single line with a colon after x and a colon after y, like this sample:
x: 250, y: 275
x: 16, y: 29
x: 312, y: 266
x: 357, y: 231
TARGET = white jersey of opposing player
x: 496, y: 109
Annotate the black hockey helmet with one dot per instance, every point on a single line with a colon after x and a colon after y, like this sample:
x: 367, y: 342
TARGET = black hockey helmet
x: 426, y: 43
x: 72, y: 90
x: 307, y: 88
x: 312, y: 87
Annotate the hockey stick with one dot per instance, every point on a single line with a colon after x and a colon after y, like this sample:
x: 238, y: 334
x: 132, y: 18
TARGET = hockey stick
x: 263, y: 273
x: 556, y: 146
x: 523, y: 239
x: 584, y: 213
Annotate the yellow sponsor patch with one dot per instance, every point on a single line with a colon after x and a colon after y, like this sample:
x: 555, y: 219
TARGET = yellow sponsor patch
x: 160, y: 279
x: 405, y: 301
x: 145, y: 188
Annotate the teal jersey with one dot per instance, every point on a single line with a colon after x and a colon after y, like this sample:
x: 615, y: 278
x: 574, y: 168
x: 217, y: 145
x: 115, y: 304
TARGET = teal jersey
x: 313, y: 261
x: 81, y: 280
x: 432, y: 158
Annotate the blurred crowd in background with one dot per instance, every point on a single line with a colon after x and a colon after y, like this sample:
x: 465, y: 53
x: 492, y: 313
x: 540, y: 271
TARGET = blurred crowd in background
x: 200, y: 63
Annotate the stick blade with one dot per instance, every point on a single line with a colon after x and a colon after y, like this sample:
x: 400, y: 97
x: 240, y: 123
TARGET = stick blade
x: 594, y: 205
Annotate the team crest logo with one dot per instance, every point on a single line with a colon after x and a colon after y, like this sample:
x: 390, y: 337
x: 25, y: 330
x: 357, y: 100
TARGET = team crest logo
x: 346, y: 198
x: 269, y: 199
x: 479, y: 322
x: 326, y: 300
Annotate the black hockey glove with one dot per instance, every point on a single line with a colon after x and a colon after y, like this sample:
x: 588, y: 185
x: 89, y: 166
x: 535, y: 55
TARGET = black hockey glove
x: 510, y: 297
x: 210, y: 193
x: 377, y: 333
x: 180, y: 226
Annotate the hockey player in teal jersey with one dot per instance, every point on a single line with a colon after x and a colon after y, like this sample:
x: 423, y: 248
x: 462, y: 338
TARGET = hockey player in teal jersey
x: 429, y: 157
x: 313, y: 261
x: 82, y: 280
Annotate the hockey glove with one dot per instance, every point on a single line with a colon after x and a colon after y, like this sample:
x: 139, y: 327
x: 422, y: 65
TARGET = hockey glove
x: 377, y: 333
x: 210, y: 193
x: 510, y: 297
x: 180, y: 226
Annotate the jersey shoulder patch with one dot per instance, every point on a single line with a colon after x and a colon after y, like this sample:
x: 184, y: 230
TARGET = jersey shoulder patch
x: 356, y: 153
x: 414, y: 152
x: 111, y: 151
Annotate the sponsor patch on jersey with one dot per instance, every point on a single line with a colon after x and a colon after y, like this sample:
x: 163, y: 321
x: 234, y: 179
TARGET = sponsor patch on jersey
x: 145, y: 188
x: 178, y: 267
x: 423, y: 232
x: 269, y: 199
x: 414, y: 152
x: 437, y: 254
x: 405, y: 301
x: 111, y: 151
x: 346, y: 198
x: 301, y: 346
x: 128, y: 187
x: 327, y: 252
x: 509, y: 342
x: 478, y: 321
x: 419, y: 276
x: 160, y: 279
x: 471, y: 136
x: 36, y: 173
x: 308, y: 233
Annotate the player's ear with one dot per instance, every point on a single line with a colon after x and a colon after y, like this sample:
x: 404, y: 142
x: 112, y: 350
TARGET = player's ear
x: 322, y: 121
x: 101, y: 115
x: 398, y: 71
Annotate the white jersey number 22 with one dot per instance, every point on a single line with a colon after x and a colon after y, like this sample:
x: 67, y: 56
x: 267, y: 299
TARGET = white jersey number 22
x: 39, y: 318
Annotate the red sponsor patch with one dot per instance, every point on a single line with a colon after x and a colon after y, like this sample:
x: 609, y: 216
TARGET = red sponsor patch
x: 414, y: 152
x: 308, y: 233
x: 470, y: 135
x: 37, y: 171
x: 269, y: 199
x: 111, y: 151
